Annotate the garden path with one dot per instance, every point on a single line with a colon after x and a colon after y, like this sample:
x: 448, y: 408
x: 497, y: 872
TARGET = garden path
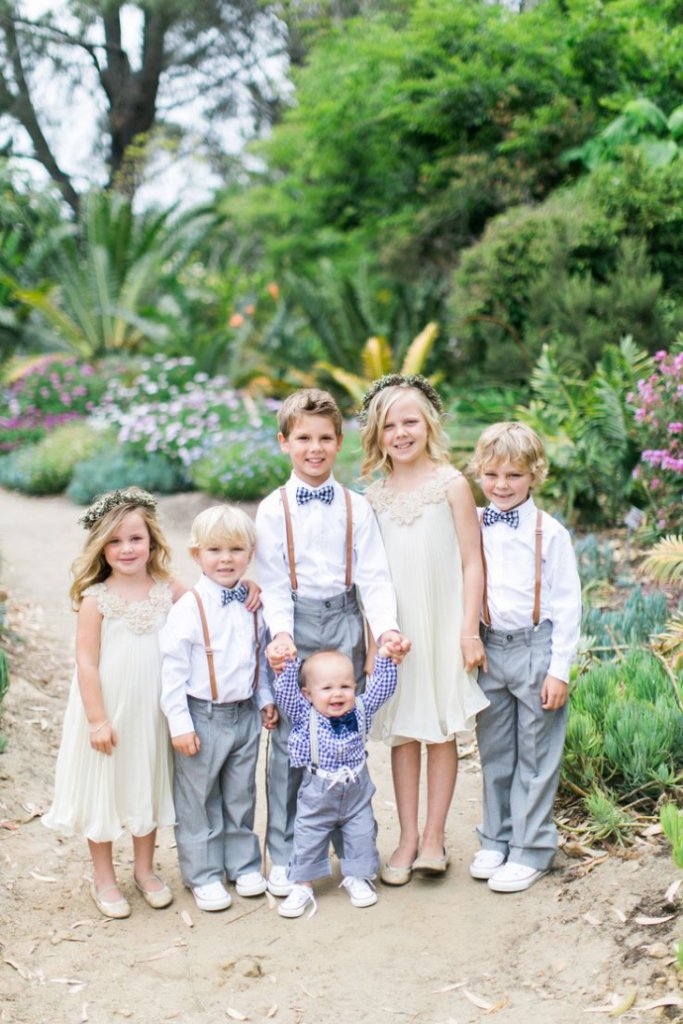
x: 440, y: 951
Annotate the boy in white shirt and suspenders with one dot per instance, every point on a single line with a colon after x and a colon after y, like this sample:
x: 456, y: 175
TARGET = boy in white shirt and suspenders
x: 317, y: 543
x: 531, y: 621
x: 214, y: 682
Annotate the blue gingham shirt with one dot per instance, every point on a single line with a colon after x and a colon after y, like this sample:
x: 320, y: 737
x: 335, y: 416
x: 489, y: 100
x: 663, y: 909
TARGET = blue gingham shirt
x: 335, y: 750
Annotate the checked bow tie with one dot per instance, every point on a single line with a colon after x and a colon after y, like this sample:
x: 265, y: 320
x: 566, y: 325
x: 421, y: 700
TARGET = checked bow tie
x: 339, y: 721
x: 491, y: 516
x: 236, y: 594
x: 324, y: 494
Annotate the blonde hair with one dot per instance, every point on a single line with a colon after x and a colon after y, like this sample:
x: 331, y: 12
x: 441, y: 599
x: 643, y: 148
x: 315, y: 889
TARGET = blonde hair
x: 510, y: 442
x: 91, y: 566
x: 376, y: 456
x: 308, y: 402
x: 221, y: 523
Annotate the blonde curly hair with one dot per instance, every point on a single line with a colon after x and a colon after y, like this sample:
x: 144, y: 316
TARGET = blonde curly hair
x: 510, y: 442
x: 376, y: 456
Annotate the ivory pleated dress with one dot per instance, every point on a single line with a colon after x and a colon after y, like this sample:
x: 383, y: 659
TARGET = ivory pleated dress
x: 97, y: 795
x: 435, y: 698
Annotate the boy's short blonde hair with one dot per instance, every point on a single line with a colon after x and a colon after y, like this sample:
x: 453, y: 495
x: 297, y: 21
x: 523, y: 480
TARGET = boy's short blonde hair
x: 222, y: 523
x: 308, y: 402
x: 376, y: 456
x: 510, y: 442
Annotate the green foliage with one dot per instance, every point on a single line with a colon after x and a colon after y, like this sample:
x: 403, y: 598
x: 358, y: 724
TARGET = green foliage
x: 642, y: 617
x: 109, y: 277
x: 641, y: 126
x: 586, y: 426
x: 115, y: 468
x: 244, y: 468
x: 585, y: 268
x: 46, y: 467
x: 607, y: 820
x: 625, y: 729
x: 594, y: 559
x: 671, y: 820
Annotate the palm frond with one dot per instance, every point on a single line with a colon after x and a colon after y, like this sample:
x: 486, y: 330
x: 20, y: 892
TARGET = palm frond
x: 665, y: 561
x: 419, y: 349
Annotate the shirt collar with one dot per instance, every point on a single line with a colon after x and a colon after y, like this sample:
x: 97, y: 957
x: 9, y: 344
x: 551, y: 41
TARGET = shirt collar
x: 212, y: 589
x: 295, y: 481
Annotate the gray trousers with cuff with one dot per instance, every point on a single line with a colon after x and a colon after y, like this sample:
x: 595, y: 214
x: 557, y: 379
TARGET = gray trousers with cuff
x: 335, y: 623
x: 215, y: 794
x: 520, y: 746
x: 324, y: 807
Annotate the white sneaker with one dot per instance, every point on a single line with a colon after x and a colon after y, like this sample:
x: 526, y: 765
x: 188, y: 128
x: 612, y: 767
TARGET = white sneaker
x: 252, y: 883
x: 485, y: 863
x: 513, y: 877
x: 278, y: 883
x: 361, y: 891
x: 297, y: 901
x: 213, y: 896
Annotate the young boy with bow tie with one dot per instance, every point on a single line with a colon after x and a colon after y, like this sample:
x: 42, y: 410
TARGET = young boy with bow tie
x: 327, y: 741
x: 214, y: 681
x: 531, y: 620
x: 317, y: 543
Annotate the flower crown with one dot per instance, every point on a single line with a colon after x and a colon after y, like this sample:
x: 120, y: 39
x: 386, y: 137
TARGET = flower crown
x: 405, y: 380
x: 106, y: 502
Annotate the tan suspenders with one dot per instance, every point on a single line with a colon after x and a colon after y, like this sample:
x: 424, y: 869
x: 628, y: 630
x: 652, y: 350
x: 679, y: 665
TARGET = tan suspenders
x: 537, y: 581
x: 209, y: 652
x: 290, y: 539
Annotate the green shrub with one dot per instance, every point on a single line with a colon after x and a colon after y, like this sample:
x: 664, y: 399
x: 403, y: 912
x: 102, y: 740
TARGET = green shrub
x: 115, y: 468
x: 46, y: 467
x: 641, y: 617
x: 242, y: 469
x: 625, y: 729
x: 595, y: 560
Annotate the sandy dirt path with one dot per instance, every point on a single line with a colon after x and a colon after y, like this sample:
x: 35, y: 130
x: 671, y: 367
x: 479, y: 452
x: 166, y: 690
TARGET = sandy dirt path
x: 446, y: 951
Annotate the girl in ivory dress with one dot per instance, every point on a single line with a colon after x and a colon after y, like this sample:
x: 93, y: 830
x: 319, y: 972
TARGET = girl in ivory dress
x: 114, y: 765
x: 430, y: 530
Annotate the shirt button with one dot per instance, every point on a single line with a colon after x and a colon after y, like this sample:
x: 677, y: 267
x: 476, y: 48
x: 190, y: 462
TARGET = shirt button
x: 509, y: 636
x: 328, y: 604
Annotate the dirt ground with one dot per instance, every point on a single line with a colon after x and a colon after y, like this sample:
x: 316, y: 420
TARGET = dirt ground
x: 447, y: 951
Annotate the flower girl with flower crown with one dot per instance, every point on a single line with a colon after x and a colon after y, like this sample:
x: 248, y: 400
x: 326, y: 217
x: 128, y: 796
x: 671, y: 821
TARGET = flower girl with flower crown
x: 114, y: 765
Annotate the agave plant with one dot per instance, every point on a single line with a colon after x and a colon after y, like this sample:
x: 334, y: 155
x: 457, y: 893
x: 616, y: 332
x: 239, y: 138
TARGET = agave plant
x: 108, y: 277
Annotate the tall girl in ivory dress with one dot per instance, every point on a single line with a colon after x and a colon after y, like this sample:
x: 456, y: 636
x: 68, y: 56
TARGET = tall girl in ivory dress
x: 430, y: 530
x: 114, y: 765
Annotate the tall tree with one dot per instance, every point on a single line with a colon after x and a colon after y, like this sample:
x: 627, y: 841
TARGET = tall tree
x: 209, y: 52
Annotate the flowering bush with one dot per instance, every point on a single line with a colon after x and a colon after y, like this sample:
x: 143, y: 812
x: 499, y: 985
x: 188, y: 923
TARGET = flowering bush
x: 659, y: 426
x: 169, y: 409
x: 247, y: 465
x: 47, y: 466
x: 46, y: 394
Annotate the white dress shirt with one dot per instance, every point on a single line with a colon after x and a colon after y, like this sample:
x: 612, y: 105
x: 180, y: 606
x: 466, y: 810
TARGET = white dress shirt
x: 184, y: 666
x: 319, y: 532
x: 511, y: 574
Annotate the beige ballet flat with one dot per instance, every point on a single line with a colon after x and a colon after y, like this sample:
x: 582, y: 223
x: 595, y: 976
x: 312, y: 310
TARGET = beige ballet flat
x: 432, y: 865
x: 391, y: 875
x: 157, y: 899
x: 115, y: 908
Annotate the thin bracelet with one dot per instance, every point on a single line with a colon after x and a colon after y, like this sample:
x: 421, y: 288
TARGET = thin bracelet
x: 477, y: 637
x: 93, y: 732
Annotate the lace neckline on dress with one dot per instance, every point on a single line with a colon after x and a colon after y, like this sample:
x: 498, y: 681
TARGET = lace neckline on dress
x: 406, y: 506
x: 139, y: 616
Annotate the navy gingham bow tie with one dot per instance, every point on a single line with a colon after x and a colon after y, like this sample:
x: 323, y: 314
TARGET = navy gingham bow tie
x: 236, y: 594
x: 324, y: 494
x: 339, y: 721
x: 492, y: 515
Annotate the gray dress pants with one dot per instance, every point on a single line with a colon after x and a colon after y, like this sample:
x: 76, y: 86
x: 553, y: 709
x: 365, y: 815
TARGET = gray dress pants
x: 520, y: 746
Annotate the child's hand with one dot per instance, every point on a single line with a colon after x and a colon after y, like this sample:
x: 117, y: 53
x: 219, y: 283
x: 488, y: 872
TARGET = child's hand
x: 269, y: 716
x: 187, y: 743
x: 394, y: 645
x: 473, y: 653
x: 280, y: 650
x: 554, y: 693
x: 253, y: 601
x: 102, y: 737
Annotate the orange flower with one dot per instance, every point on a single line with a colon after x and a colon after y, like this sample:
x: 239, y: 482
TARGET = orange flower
x: 273, y: 290
x: 250, y: 310
x: 236, y: 320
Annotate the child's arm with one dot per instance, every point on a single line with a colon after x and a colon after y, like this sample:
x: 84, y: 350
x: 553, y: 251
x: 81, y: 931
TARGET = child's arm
x: 467, y: 528
x: 287, y: 692
x: 176, y: 655
x: 253, y: 602
x: 270, y: 565
x: 178, y: 588
x: 371, y: 572
x: 561, y: 574
x: 88, y: 633
x: 382, y: 683
x: 279, y: 651
x: 265, y: 698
